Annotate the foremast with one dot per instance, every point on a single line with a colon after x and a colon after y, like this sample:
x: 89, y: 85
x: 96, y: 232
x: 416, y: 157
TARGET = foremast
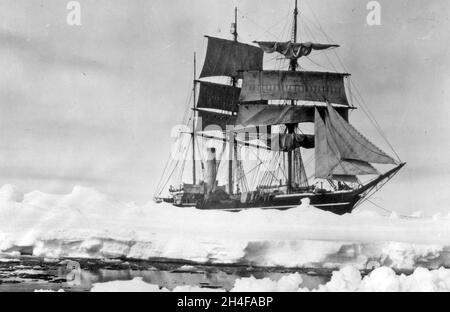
x: 194, y: 91
x: 232, y: 144
x: 217, y: 103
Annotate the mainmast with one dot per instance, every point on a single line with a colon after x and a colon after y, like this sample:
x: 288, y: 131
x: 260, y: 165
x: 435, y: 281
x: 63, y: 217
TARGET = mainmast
x: 291, y: 127
x: 294, y: 64
x: 232, y: 140
x: 235, y: 30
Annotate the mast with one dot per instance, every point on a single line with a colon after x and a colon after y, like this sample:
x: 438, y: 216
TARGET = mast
x: 193, y: 120
x: 291, y: 127
x: 232, y: 140
x: 235, y: 33
x: 294, y: 64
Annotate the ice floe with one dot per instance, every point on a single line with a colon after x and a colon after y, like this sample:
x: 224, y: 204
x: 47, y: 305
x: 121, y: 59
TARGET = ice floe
x: 86, y: 223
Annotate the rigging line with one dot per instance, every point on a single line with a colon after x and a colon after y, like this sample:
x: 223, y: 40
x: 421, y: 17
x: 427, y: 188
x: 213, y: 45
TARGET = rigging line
x: 183, y: 164
x: 367, y: 112
x: 264, y: 159
x: 250, y: 171
x: 326, y: 54
x: 391, y: 212
x: 317, y: 53
x: 170, y: 162
x: 329, y: 39
x: 309, y: 161
x: 158, y: 188
x: 378, y: 128
x: 283, y: 171
x: 258, y: 170
x: 271, y: 173
x: 176, y: 164
x: 185, y: 119
x: 326, y: 36
x: 363, y: 105
x: 378, y: 206
x: 265, y: 178
x: 374, y: 190
x: 273, y: 26
x: 318, y: 26
x: 245, y: 16
x: 317, y: 64
x: 169, y: 178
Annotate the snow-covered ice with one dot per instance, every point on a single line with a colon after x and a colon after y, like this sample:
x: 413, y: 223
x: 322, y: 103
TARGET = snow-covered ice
x: 348, y: 279
x: 135, y: 285
x: 138, y: 285
x: 87, y: 223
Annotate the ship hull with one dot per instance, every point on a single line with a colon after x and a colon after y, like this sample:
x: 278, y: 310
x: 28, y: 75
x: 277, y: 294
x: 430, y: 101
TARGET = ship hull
x: 339, y: 203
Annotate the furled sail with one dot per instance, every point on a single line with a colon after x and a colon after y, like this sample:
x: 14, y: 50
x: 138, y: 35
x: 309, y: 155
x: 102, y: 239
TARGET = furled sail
x: 228, y: 58
x: 288, y: 142
x: 218, y: 96
x: 265, y: 115
x: 278, y: 142
x: 293, y: 50
x: 288, y: 85
x: 341, y: 151
x: 214, y: 121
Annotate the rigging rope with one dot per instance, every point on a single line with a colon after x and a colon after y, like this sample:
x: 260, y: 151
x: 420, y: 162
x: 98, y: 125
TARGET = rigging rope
x: 170, y: 161
x: 401, y: 216
x: 364, y: 107
x: 266, y: 30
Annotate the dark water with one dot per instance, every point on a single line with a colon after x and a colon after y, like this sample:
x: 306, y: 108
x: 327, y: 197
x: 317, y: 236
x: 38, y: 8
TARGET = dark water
x: 30, y: 273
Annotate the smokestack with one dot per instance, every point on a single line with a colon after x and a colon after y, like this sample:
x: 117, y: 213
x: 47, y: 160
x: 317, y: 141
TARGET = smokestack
x: 211, y: 171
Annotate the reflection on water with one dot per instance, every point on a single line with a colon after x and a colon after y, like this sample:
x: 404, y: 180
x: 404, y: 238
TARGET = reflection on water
x: 29, y: 274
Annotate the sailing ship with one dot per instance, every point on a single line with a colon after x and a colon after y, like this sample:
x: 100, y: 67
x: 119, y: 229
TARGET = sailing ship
x: 264, y: 112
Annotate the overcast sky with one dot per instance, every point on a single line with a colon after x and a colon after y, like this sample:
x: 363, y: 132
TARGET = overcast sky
x: 94, y: 104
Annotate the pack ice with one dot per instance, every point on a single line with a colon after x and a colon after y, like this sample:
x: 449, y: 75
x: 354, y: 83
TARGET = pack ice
x: 87, y: 223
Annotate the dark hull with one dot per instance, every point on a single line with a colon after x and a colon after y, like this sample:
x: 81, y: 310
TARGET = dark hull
x: 339, y: 202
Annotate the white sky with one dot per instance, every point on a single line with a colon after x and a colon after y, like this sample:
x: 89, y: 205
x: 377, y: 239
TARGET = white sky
x: 94, y: 105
